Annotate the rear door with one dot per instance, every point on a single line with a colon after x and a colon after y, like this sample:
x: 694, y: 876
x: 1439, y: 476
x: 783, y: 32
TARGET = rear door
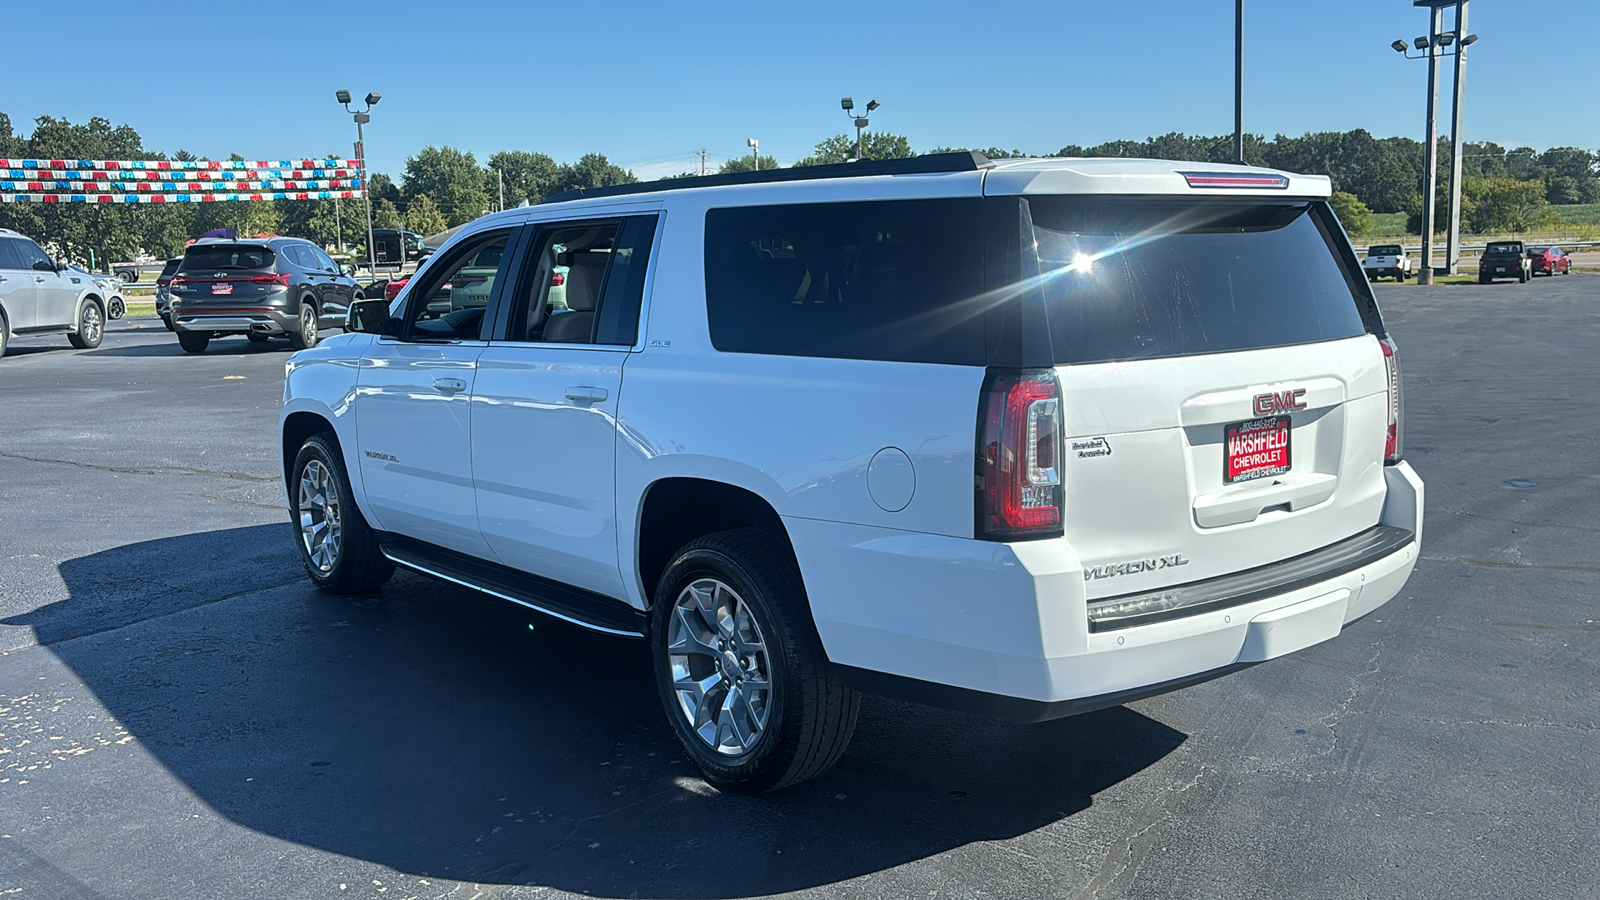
x: 1224, y: 404
x: 339, y: 290
x: 18, y: 296
x: 545, y: 405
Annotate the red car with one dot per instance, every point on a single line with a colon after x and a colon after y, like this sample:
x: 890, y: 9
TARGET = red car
x: 391, y: 289
x: 1549, y: 261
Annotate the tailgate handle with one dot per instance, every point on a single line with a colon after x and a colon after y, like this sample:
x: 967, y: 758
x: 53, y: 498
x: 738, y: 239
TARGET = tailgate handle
x: 1242, y: 503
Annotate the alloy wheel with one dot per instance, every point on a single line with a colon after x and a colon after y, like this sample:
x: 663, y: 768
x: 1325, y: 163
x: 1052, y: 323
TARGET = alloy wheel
x: 321, y: 531
x: 308, y: 325
x: 721, y: 669
x: 91, y: 327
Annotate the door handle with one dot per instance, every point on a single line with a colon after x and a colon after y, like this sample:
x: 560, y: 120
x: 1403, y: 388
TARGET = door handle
x: 39, y: 278
x: 586, y: 394
x: 450, y: 385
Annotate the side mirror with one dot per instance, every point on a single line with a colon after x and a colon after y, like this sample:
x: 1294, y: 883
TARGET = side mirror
x: 45, y: 265
x: 346, y: 269
x: 371, y: 317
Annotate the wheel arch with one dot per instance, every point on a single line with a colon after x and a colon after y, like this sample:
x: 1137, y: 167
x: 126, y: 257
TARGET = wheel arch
x: 678, y: 509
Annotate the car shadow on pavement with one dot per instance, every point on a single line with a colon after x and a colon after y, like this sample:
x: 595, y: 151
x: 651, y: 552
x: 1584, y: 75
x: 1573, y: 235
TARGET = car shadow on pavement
x: 220, y: 347
x: 448, y: 735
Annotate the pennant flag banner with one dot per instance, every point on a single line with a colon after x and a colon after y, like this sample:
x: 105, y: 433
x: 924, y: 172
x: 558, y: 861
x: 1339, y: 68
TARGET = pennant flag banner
x: 177, y: 181
x: 179, y: 198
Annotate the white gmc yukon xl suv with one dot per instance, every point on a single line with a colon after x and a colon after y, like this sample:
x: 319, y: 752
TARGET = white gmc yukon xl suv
x: 1027, y: 438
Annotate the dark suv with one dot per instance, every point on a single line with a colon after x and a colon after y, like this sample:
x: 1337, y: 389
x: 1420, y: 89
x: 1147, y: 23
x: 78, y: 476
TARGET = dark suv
x: 261, y: 289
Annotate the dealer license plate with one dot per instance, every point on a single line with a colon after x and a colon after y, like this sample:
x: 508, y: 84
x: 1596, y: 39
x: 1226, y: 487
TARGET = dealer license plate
x: 1255, y: 449
x: 222, y: 287
x: 1500, y: 268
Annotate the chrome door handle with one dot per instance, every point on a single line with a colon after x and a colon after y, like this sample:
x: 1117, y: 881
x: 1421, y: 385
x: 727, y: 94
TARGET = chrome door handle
x: 450, y: 385
x: 586, y: 394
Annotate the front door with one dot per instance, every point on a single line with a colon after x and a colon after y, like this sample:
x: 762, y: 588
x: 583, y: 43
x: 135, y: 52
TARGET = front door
x: 414, y: 413
x: 544, y: 428
x: 334, y: 288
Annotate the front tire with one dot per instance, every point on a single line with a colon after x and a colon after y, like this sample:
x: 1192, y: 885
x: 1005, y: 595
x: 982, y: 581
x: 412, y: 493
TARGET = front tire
x: 305, y: 337
x: 91, y: 327
x: 194, y: 341
x: 337, y: 547
x: 740, y: 669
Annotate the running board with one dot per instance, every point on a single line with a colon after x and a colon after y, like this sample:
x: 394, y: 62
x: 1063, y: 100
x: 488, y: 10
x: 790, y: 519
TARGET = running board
x: 585, y: 609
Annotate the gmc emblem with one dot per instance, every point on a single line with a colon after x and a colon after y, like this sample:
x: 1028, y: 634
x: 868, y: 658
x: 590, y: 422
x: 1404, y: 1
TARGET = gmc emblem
x: 1268, y: 404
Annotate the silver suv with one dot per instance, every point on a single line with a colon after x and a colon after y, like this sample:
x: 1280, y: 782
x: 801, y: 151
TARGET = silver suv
x: 41, y: 296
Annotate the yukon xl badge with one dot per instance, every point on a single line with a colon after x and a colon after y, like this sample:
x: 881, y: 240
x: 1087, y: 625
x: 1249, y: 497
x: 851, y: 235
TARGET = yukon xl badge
x: 1135, y: 566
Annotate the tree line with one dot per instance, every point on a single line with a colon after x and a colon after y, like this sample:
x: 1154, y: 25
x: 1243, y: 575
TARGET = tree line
x: 441, y: 187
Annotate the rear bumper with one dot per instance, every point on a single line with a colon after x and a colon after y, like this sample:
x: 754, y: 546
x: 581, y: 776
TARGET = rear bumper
x: 261, y: 320
x: 1384, y: 272
x: 1005, y: 629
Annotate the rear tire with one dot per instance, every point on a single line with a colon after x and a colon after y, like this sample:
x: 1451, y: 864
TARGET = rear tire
x: 117, y: 310
x: 732, y: 642
x: 167, y: 321
x: 91, y: 326
x: 337, y: 547
x: 5, y: 335
x: 194, y: 341
x: 305, y: 337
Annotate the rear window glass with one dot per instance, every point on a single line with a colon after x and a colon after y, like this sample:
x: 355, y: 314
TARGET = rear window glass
x: 1503, y: 247
x: 222, y: 257
x: 1385, y: 250
x: 881, y: 280
x: 170, y: 267
x: 1133, y: 279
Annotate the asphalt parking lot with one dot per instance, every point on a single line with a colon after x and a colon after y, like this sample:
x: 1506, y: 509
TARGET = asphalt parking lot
x: 182, y: 715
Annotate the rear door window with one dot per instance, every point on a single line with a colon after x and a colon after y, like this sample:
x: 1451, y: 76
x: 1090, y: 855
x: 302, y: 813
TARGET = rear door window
x: 1134, y: 279
x: 883, y: 280
x: 9, y: 259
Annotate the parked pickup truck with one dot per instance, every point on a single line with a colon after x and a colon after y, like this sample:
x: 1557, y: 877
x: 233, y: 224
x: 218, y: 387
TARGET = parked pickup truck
x: 1387, y: 261
x: 1504, y: 259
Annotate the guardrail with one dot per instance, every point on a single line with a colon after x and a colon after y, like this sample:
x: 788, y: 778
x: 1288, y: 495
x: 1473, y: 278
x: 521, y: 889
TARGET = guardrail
x: 1565, y: 245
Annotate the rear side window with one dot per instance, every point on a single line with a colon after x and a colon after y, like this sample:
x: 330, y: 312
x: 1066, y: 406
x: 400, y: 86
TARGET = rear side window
x: 170, y: 267
x: 224, y: 257
x: 882, y: 280
x: 8, y: 255
x: 1134, y: 279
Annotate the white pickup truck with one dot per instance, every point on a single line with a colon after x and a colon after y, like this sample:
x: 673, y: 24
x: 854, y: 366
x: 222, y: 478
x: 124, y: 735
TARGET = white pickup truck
x: 1387, y: 261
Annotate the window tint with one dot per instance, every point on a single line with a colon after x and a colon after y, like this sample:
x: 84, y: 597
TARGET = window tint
x: 882, y: 280
x: 170, y: 267
x: 449, y: 302
x: 221, y: 257
x: 1504, y: 247
x: 624, y: 288
x: 8, y: 255
x: 29, y: 254
x: 1385, y: 250
x: 1127, y: 279
x: 321, y: 260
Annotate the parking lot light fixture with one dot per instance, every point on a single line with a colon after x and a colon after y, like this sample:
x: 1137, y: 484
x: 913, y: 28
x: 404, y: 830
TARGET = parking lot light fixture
x: 362, y: 117
x: 1399, y: 46
x: 860, y: 123
x: 755, y: 151
x: 1469, y: 39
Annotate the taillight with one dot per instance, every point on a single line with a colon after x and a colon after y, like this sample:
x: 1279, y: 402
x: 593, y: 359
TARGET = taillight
x: 1391, y: 365
x: 281, y: 279
x: 391, y: 289
x: 177, y: 280
x: 557, y: 280
x: 1019, y: 456
x: 163, y: 282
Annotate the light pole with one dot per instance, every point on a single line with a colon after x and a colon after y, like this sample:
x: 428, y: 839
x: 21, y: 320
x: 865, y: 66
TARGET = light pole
x: 1238, y: 82
x: 1434, y: 45
x: 861, y: 123
x: 363, y: 118
x: 755, y: 151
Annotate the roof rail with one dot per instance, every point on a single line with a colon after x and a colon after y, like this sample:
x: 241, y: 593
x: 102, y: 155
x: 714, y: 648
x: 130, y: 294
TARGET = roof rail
x: 931, y: 164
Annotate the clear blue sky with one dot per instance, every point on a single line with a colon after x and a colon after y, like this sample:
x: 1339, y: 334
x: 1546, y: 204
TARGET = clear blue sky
x: 648, y: 84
